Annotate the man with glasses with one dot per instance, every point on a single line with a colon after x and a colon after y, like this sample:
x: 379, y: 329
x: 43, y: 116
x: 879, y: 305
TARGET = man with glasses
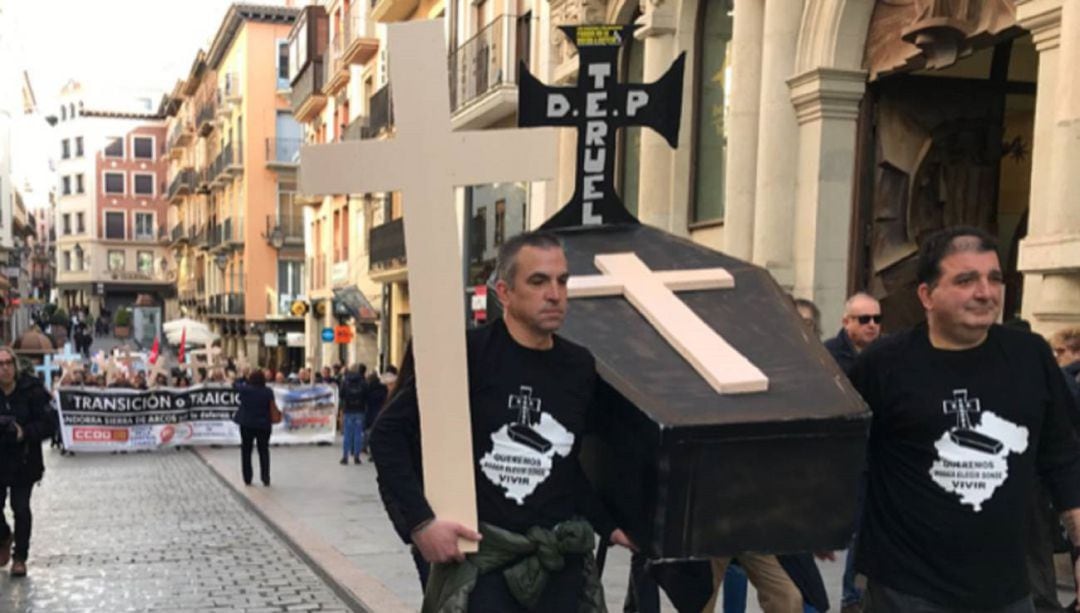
x: 861, y: 326
x: 25, y: 422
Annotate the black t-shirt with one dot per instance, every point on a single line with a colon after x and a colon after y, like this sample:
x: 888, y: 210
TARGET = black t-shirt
x: 956, y: 443
x: 529, y: 410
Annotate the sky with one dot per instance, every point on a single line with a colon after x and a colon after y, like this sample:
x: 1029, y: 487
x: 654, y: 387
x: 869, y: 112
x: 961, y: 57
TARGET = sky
x: 114, y: 47
x: 118, y: 49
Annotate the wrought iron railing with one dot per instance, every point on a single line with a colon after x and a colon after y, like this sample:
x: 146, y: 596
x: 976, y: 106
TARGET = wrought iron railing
x: 485, y: 61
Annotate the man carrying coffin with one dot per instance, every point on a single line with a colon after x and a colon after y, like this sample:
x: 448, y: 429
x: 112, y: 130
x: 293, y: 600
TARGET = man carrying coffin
x: 531, y: 395
x: 966, y: 415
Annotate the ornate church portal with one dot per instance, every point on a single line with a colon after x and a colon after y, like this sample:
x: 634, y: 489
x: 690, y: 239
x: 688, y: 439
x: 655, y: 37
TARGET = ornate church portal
x: 945, y: 138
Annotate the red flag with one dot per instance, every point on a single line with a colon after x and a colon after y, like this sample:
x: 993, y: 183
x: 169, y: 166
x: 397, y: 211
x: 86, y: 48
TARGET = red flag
x: 154, y: 350
x: 183, y: 340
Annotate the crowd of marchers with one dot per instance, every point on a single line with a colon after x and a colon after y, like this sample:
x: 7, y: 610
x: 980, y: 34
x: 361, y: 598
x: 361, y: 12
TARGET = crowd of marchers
x: 971, y: 482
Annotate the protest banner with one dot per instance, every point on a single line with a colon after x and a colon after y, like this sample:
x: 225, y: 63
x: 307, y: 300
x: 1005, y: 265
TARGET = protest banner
x: 116, y: 419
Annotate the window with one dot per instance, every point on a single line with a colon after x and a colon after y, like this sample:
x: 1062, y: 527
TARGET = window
x: 67, y: 261
x: 711, y: 108
x: 144, y: 184
x: 80, y: 188
x: 114, y: 225
x: 65, y: 185
x: 80, y: 227
x: 142, y: 147
x: 144, y: 226
x: 114, y: 183
x: 67, y: 223
x: 500, y: 222
x: 116, y: 259
x: 78, y: 147
x: 115, y: 148
x: 144, y: 262
x: 283, y: 65
x: 290, y: 276
x: 65, y: 149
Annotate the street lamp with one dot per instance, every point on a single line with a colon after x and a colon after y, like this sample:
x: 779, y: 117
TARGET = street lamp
x: 275, y: 237
x: 222, y: 261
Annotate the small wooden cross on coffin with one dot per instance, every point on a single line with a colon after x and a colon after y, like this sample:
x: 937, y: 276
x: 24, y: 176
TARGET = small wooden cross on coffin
x: 425, y: 161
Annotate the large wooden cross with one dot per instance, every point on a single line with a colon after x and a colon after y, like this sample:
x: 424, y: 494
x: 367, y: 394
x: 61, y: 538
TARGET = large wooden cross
x: 425, y: 161
x: 653, y: 295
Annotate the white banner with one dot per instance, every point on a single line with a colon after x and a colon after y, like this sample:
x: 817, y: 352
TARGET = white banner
x: 115, y: 419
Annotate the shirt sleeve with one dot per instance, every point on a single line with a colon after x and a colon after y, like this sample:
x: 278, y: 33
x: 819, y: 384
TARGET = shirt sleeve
x: 1058, y: 456
x: 395, y: 441
x: 40, y: 425
x: 590, y: 505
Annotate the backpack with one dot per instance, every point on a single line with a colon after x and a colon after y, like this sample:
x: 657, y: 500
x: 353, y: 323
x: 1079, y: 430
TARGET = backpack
x: 353, y: 395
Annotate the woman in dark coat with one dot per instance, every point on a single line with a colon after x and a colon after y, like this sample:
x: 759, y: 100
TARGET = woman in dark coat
x: 253, y: 416
x: 25, y: 421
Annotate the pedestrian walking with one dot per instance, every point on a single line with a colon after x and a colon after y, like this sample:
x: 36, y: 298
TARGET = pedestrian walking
x: 967, y: 415
x: 517, y: 355
x: 253, y: 416
x: 25, y: 421
x: 374, y: 400
x: 354, y: 406
x: 860, y: 327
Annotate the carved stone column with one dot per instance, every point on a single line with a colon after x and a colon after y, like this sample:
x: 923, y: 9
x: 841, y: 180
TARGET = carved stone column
x: 741, y: 163
x: 778, y: 133
x: 1050, y: 255
x: 827, y: 108
x: 657, y: 32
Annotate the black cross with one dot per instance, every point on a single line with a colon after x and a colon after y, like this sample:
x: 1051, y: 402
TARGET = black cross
x: 597, y: 106
x: 961, y: 406
x: 527, y: 407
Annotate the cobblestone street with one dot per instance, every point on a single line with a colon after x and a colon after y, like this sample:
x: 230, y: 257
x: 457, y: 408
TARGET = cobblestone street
x: 153, y: 532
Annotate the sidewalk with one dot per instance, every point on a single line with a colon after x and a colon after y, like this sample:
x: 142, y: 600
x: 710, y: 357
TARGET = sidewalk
x: 333, y: 515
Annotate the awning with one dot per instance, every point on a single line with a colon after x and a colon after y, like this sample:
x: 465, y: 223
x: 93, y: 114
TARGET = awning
x: 352, y: 300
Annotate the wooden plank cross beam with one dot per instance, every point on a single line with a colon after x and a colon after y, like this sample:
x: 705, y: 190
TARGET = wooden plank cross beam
x: 425, y: 161
x: 653, y: 294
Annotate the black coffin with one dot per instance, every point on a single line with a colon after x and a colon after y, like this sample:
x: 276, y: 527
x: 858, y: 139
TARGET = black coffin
x: 687, y: 472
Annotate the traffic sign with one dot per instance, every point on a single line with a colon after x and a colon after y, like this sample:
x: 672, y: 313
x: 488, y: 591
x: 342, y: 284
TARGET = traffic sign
x: 328, y: 335
x: 343, y: 335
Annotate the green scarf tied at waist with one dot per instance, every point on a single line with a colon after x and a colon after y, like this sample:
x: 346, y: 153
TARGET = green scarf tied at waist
x: 525, y: 560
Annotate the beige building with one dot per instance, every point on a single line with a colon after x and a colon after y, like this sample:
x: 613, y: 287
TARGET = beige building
x: 236, y: 230
x: 823, y: 139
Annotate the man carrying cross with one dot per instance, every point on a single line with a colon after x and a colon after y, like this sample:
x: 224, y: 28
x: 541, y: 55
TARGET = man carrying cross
x: 532, y: 496
x: 967, y: 415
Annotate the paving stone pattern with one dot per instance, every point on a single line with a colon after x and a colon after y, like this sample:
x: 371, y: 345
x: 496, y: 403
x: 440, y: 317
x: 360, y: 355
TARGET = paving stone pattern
x: 153, y: 532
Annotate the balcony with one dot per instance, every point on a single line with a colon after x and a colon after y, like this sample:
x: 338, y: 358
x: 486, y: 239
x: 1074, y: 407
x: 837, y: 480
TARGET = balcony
x: 289, y: 227
x: 178, y: 234
x: 206, y: 115
x: 483, y: 75
x: 229, y: 89
x: 381, y: 113
x: 354, y: 130
x: 283, y: 153
x: 232, y: 236
x: 386, y: 244
x: 355, y: 43
x: 182, y: 184
x: 308, y: 97
x: 223, y: 165
x: 230, y: 304
x: 387, y: 11
x: 180, y: 136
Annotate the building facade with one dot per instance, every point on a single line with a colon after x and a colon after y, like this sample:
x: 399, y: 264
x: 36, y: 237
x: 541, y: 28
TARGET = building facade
x: 236, y: 229
x: 111, y: 210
